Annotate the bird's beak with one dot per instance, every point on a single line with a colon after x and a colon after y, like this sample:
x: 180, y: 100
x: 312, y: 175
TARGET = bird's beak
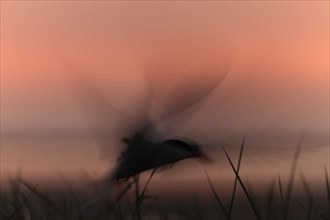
x: 203, y: 158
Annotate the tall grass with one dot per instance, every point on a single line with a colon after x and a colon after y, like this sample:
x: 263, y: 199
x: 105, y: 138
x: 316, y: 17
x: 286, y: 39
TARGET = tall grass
x: 26, y: 201
x: 141, y: 197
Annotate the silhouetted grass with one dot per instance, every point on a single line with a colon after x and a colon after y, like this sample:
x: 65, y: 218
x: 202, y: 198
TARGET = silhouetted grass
x: 328, y: 189
x: 24, y: 200
x: 248, y: 196
x: 270, y: 202
x: 281, y: 195
x: 217, y: 198
x: 310, y: 198
x: 291, y: 177
x: 140, y: 197
x: 236, y: 179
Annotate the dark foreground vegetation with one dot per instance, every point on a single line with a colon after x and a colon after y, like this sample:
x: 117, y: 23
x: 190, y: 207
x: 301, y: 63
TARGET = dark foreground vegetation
x: 26, y: 201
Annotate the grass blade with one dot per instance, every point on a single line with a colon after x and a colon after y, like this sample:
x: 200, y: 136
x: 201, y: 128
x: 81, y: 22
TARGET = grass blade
x: 254, y: 208
x: 21, y: 204
x: 235, y: 183
x: 217, y: 198
x: 327, y: 187
x: 141, y: 196
x: 281, y: 195
x: 270, y: 201
x: 309, y: 196
x: 292, y: 176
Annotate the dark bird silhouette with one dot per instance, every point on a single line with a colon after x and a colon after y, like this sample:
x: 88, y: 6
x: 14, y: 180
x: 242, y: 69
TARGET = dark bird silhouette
x: 145, y: 149
x: 143, y: 154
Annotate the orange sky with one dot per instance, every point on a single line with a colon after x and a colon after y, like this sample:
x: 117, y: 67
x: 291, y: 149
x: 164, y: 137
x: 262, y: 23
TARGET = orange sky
x: 278, y: 54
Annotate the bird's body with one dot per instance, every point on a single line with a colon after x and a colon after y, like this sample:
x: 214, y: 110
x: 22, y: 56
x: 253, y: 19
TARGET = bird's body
x: 142, y: 154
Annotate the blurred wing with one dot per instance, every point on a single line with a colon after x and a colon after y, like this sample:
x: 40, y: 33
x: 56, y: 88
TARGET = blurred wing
x: 108, y: 124
x: 185, y: 97
x: 189, y: 91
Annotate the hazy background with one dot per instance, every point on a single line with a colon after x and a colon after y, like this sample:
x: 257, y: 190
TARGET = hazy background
x: 276, y: 55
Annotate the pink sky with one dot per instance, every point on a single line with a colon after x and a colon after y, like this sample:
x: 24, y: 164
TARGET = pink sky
x: 278, y: 54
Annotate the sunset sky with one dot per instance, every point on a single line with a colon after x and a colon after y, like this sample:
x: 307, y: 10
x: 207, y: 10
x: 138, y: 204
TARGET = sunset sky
x: 276, y: 55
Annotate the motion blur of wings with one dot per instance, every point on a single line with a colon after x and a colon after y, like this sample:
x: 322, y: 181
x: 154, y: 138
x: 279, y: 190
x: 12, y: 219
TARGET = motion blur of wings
x: 110, y: 125
x: 169, y: 96
x: 166, y: 102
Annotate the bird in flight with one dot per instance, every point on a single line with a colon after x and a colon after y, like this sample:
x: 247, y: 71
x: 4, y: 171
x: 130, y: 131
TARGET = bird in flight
x: 143, y: 154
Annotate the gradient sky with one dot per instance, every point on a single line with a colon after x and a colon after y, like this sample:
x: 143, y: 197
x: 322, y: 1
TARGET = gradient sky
x: 277, y: 53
